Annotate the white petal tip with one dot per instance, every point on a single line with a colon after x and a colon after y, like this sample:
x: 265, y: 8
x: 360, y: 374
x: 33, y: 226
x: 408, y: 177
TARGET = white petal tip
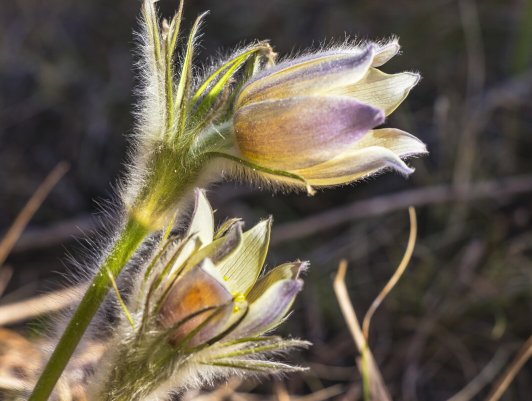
x: 411, y: 79
x: 386, y: 51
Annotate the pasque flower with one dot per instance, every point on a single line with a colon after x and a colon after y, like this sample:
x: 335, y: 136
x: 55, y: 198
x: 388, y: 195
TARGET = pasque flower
x: 316, y: 116
x: 200, y: 312
x: 310, y: 121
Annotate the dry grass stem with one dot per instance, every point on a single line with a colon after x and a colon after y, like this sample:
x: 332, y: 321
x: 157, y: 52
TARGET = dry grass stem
x: 281, y: 393
x: 55, y: 233
x: 14, y: 232
x: 369, y: 369
x: 437, y: 194
x: 396, y: 276
x: 500, y: 386
x: 42, y: 304
x: 12, y: 384
x: 6, y: 272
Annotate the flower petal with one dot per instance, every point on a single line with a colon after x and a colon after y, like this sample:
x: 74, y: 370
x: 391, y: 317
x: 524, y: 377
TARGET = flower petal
x: 269, y: 310
x: 200, y: 231
x: 381, y: 90
x: 399, y: 142
x: 198, y: 290
x: 308, y: 75
x: 241, y: 269
x: 301, y: 131
x: 384, y: 52
x: 202, y: 223
x: 377, y: 150
x: 355, y: 165
x: 286, y: 271
x: 220, y: 249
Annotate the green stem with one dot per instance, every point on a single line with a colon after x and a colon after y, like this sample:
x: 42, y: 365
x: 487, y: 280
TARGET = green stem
x: 131, y: 236
x: 365, y: 373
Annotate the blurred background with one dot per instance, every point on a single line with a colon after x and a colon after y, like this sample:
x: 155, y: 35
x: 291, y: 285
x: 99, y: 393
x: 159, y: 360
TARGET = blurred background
x: 463, y: 309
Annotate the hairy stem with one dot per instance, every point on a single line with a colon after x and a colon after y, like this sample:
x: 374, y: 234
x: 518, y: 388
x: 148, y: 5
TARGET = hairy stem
x: 171, y: 178
x: 129, y: 239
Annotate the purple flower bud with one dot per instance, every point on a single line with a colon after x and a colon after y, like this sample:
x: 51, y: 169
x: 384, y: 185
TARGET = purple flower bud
x: 315, y: 116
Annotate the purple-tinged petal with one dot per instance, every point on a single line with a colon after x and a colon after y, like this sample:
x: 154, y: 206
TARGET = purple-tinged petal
x: 301, y: 131
x: 355, y: 165
x: 377, y: 150
x: 384, y: 91
x: 308, y: 75
x: 269, y: 310
x: 198, y: 290
x: 286, y: 271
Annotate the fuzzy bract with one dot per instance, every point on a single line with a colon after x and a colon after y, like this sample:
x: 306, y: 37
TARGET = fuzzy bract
x: 201, y: 305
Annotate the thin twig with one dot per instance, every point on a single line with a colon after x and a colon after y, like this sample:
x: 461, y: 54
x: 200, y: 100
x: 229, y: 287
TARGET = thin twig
x: 378, y: 205
x: 55, y: 233
x: 396, y: 276
x: 500, y: 386
x: 33, y: 307
x: 6, y: 272
x: 498, y: 188
x: 27, y: 212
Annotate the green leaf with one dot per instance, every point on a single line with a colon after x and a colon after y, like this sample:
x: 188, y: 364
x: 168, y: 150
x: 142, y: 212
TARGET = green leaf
x: 152, y: 28
x: 171, y: 41
x: 185, y: 79
x: 219, y: 78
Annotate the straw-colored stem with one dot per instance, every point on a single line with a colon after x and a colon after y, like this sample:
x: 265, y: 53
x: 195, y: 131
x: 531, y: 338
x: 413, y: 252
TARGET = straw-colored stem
x: 371, y: 377
x: 501, y: 385
x: 396, y: 276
